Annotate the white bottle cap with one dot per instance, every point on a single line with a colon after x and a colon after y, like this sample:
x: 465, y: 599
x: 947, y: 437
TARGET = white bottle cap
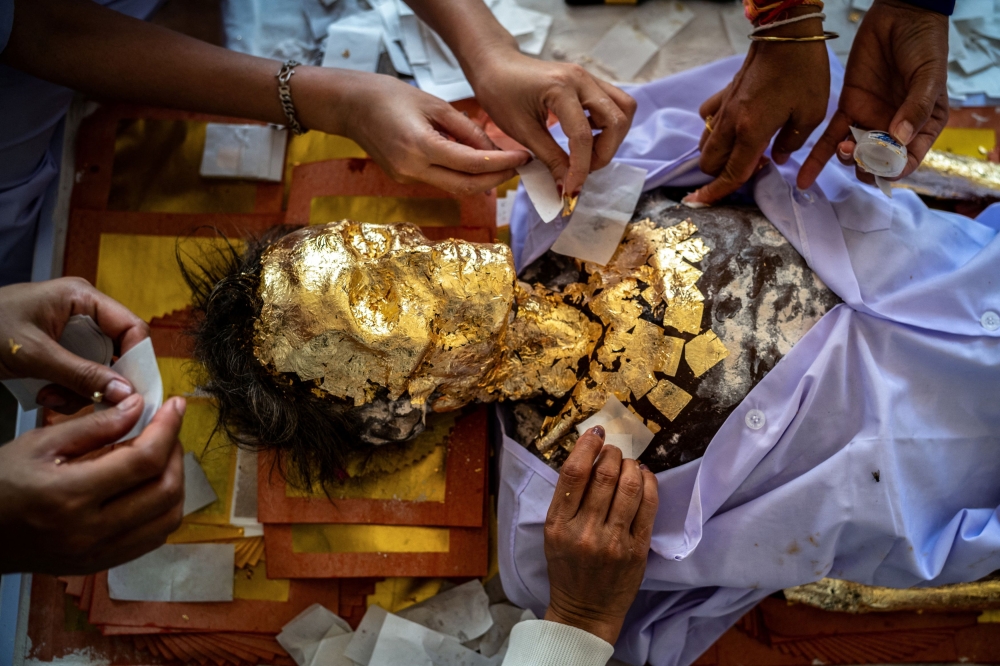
x: 878, y: 153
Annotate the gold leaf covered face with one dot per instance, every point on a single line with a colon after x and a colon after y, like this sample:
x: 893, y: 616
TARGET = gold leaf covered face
x: 356, y: 307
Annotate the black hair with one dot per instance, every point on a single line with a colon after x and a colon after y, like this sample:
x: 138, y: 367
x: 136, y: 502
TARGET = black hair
x: 258, y: 408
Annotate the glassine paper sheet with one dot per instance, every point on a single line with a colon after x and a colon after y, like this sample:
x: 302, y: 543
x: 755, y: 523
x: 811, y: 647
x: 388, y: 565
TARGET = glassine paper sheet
x: 463, y: 612
x: 244, y: 151
x: 81, y: 336
x: 138, y: 365
x: 302, y: 636
x: 244, y: 506
x: 606, y: 205
x: 198, y: 491
x: 331, y: 651
x: 403, y: 642
x: 618, y: 420
x: 176, y: 572
x: 354, y: 42
x: 362, y: 644
x: 541, y: 188
x: 449, y: 92
x: 505, y: 617
x: 628, y: 46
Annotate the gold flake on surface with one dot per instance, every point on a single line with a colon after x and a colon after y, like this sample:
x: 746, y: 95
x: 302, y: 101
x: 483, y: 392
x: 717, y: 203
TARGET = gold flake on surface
x: 703, y: 352
x: 14, y: 347
x: 684, y: 315
x: 669, y: 398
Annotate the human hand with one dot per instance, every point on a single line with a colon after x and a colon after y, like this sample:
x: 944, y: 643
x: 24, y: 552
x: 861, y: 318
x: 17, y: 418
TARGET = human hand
x: 783, y: 88
x: 66, y: 516
x: 405, y: 130
x: 597, y: 536
x: 896, y: 78
x: 34, y: 315
x: 518, y: 91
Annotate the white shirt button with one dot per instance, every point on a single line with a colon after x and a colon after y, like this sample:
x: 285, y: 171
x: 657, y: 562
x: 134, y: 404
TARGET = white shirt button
x: 990, y: 320
x: 755, y: 419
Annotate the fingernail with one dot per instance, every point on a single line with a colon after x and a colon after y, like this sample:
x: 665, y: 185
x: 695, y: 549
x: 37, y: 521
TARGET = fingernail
x: 117, y: 390
x: 51, y: 400
x: 130, y: 403
x: 598, y: 430
x: 559, y: 188
x: 180, y: 404
x: 576, y: 192
x: 904, y: 132
x: 643, y: 467
x: 691, y: 203
x: 843, y: 154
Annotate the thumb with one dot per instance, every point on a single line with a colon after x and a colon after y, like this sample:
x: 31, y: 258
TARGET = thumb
x: 83, y: 377
x: 76, y: 437
x: 916, y: 108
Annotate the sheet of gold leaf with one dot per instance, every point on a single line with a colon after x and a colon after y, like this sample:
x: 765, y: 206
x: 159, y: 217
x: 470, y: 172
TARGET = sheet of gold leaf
x: 638, y: 377
x: 653, y: 426
x: 704, y: 351
x: 617, y: 302
x: 684, y: 315
x: 610, y: 381
x: 693, y: 249
x: 669, y: 398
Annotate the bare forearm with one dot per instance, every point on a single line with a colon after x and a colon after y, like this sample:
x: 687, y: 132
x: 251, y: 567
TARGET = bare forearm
x: 84, y: 46
x: 467, y: 26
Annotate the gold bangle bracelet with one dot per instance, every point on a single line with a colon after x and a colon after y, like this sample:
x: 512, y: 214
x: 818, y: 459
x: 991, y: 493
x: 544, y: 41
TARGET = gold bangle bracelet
x: 813, y: 38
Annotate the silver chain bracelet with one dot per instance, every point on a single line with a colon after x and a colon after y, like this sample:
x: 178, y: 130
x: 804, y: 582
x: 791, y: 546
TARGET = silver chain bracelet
x: 285, y: 96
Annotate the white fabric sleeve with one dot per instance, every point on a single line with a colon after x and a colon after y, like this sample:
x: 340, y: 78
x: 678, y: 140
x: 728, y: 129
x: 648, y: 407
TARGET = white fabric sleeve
x: 542, y: 643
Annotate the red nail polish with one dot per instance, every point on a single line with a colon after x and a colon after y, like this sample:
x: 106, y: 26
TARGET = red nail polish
x: 559, y: 189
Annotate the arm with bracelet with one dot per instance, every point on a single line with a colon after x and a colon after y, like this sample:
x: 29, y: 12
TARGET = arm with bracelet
x: 411, y: 134
x: 780, y: 92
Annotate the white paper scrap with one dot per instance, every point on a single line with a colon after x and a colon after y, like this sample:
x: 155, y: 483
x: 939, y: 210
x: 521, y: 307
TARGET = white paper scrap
x: 533, y: 42
x: 138, y: 366
x: 514, y: 18
x: 198, y: 491
x: 618, y: 420
x: 355, y: 42
x: 541, y: 188
x: 621, y: 442
x: 81, y: 336
x: 463, y: 612
x: 331, y: 651
x: 176, y: 572
x: 606, y: 204
x: 359, y: 650
x: 403, y: 642
x: 505, y: 616
x: 449, y: 92
x: 302, y: 635
x: 628, y: 46
x: 413, y: 43
x: 443, y: 63
x: 243, y: 151
x: 243, y: 512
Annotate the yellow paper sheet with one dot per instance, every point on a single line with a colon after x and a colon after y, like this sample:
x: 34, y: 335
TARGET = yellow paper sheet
x: 179, y: 375
x: 253, y: 583
x: 156, y: 169
x: 311, y: 538
x: 395, y: 594
x: 215, y: 454
x: 195, y: 533
x: 141, y: 272
x: 425, y: 212
x: 966, y: 141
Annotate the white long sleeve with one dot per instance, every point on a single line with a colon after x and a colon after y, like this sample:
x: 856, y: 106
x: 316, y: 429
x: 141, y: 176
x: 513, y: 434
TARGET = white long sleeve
x: 541, y: 643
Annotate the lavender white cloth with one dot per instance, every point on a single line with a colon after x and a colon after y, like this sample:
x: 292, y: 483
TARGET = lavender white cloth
x: 903, y: 379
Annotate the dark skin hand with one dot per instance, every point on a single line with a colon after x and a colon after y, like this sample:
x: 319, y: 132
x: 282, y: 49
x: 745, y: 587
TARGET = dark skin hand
x: 597, y: 536
x: 70, y: 516
x: 896, y: 78
x: 783, y: 89
x: 34, y: 315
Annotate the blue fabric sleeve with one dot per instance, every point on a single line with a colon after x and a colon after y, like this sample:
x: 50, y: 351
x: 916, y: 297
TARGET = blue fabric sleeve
x: 6, y: 22
x: 945, y: 7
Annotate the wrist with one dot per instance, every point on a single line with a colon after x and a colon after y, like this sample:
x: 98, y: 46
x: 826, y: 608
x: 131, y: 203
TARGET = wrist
x: 801, y: 28
x: 325, y: 98
x: 604, y: 628
x: 480, y: 62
